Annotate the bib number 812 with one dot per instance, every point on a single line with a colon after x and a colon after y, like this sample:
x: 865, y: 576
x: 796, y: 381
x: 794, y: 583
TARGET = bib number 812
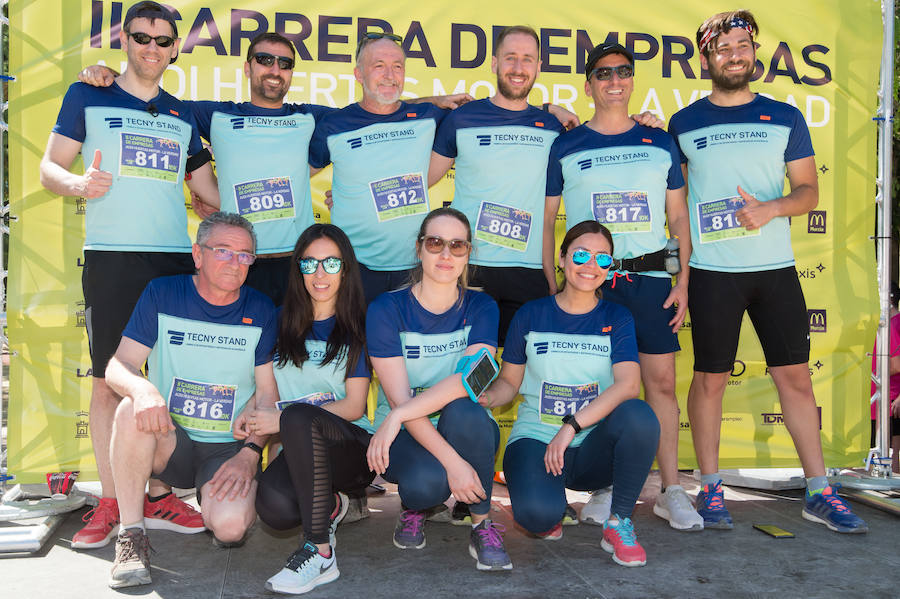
x: 404, y: 198
x: 191, y: 407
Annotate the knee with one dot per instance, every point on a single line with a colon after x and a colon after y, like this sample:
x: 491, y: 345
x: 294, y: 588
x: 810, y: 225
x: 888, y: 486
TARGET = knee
x: 424, y: 488
x: 465, y: 424
x: 533, y: 514
x: 228, y: 526
x: 710, y: 384
x: 638, y: 420
x: 297, y: 417
x: 124, y: 415
x: 659, y: 383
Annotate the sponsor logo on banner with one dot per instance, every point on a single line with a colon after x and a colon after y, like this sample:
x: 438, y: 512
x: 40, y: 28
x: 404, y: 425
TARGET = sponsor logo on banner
x: 818, y: 322
x: 82, y: 374
x: 816, y: 222
x: 810, y: 272
x: 80, y: 318
x: 82, y: 425
x: 737, y: 370
x: 80, y: 206
x: 777, y: 418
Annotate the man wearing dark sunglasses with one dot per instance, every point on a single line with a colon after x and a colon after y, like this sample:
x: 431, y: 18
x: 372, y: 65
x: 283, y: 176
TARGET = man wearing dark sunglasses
x: 138, y: 144
x: 380, y: 149
x: 736, y: 148
x: 628, y: 177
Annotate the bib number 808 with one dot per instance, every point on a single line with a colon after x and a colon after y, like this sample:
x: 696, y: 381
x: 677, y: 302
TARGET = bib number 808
x: 504, y: 228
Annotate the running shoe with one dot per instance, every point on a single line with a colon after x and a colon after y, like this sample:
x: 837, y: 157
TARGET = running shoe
x: 102, y: 525
x: 341, y: 505
x: 486, y: 546
x: 172, y: 514
x: 711, y: 507
x: 554, y: 534
x: 570, y: 518
x: 132, y: 564
x: 619, y: 540
x: 596, y: 510
x: 357, y: 510
x: 832, y: 511
x: 675, y: 506
x: 461, y: 516
x: 410, y: 530
x: 305, y: 570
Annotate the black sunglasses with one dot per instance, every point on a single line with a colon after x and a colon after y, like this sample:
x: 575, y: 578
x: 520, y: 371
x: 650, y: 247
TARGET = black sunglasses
x: 163, y: 41
x: 371, y: 36
x: 625, y: 71
x: 265, y: 59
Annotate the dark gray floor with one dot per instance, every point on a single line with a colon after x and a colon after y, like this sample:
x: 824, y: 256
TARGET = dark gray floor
x: 739, y: 563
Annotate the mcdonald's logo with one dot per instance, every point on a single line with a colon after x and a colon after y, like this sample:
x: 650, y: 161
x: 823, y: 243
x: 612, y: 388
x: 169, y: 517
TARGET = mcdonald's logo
x: 816, y: 222
x: 817, y: 321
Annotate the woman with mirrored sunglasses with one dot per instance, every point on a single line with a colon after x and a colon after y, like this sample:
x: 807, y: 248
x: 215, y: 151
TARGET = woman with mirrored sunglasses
x: 323, y: 380
x: 573, y: 357
x: 416, y: 337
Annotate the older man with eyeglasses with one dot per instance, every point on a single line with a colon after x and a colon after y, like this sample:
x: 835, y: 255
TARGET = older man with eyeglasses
x: 208, y: 340
x: 138, y: 144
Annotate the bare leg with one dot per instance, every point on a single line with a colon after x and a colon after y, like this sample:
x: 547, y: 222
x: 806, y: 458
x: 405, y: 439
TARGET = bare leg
x: 801, y: 417
x: 229, y: 519
x: 705, y: 414
x: 104, y: 402
x: 658, y: 376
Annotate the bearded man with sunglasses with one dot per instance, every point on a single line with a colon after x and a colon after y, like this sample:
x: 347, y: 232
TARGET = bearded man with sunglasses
x: 138, y: 144
x: 628, y: 177
x: 208, y: 340
x: 736, y: 147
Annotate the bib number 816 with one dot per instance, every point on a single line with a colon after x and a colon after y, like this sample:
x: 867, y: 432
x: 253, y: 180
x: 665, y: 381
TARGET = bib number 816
x: 191, y: 407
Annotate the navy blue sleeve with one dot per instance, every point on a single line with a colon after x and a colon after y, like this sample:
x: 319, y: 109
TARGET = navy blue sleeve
x: 143, y: 325
x: 445, y: 138
x: 70, y: 121
x: 799, y: 143
x: 676, y: 176
x: 203, y: 111
x: 318, y: 111
x: 514, y: 348
x: 673, y: 131
x: 361, y: 370
x: 624, y: 341
x: 383, y: 328
x: 195, y: 144
x: 265, y: 347
x: 555, y: 180
x: 319, y: 156
x: 484, y: 316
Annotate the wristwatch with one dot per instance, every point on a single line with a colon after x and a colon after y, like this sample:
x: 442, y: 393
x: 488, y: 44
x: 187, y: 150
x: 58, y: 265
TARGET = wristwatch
x: 570, y: 420
x: 254, y: 447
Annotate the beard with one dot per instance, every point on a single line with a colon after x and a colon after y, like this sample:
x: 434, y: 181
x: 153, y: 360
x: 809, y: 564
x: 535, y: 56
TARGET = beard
x: 509, y: 93
x: 730, y: 81
x: 264, y: 91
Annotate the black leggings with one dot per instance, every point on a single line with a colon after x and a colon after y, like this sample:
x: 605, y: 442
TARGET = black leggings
x: 322, y: 453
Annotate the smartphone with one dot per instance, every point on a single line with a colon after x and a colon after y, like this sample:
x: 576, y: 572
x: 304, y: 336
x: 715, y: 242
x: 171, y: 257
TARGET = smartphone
x: 478, y: 373
x: 774, y: 531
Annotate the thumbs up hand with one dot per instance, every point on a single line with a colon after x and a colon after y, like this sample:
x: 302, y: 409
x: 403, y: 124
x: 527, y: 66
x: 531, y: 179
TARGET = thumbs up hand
x: 95, y: 182
x: 754, y: 214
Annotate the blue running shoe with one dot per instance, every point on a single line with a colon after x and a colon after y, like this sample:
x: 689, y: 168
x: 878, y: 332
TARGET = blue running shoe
x: 410, y: 530
x: 711, y: 505
x: 832, y: 511
x: 486, y: 546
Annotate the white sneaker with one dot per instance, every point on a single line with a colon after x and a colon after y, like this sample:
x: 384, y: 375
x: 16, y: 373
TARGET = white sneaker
x: 675, y: 506
x: 596, y: 510
x: 305, y: 570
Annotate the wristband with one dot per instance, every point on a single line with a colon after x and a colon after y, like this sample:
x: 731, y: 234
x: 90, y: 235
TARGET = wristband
x: 254, y: 447
x: 546, y: 107
x: 570, y: 420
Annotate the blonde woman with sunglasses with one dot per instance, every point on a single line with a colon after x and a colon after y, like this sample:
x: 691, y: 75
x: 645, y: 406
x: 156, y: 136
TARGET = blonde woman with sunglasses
x: 416, y: 337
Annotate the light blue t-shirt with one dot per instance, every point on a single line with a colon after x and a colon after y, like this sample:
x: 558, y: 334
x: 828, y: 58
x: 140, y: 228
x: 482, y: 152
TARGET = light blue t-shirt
x: 314, y: 383
x: 380, y: 180
x: 727, y: 146
x: 145, y: 146
x: 203, y: 356
x: 620, y: 181
x: 431, y: 344
x: 262, y: 165
x: 500, y: 176
x: 568, y: 361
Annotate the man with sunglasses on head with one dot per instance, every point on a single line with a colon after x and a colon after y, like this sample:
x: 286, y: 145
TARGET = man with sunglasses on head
x: 138, y: 144
x: 380, y: 148
x: 628, y: 177
x: 208, y: 340
x: 736, y: 147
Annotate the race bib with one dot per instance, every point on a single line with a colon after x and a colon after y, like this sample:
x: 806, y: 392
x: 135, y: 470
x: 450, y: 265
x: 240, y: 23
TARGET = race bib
x: 317, y: 399
x: 149, y: 157
x: 622, y: 211
x: 716, y: 220
x: 503, y: 225
x: 557, y: 400
x: 202, y: 406
x: 265, y: 200
x: 396, y: 197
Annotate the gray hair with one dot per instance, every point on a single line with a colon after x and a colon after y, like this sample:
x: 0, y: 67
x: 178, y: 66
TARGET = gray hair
x: 227, y: 219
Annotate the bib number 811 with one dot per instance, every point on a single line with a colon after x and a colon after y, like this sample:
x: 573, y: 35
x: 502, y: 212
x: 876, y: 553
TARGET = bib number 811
x: 142, y: 158
x: 191, y: 407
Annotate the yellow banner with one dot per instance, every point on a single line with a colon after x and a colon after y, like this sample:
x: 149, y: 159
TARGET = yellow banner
x: 819, y: 55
